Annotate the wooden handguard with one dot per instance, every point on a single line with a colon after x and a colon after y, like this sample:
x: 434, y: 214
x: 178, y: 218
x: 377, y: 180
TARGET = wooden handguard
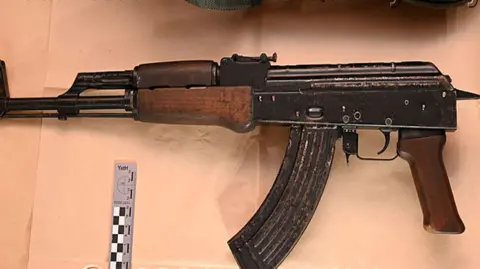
x: 422, y: 149
x: 229, y: 107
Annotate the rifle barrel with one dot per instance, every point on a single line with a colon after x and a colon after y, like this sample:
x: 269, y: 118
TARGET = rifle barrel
x: 49, y: 103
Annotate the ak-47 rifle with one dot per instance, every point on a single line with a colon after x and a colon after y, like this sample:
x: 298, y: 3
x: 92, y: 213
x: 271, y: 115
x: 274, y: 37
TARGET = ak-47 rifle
x: 226, y: 5
x: 320, y: 103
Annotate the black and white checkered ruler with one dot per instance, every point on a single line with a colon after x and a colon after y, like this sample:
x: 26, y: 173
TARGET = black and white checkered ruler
x: 122, y: 223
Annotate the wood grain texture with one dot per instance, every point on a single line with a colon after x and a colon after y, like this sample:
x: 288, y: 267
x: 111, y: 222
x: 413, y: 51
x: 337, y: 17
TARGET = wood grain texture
x: 424, y: 155
x: 229, y: 107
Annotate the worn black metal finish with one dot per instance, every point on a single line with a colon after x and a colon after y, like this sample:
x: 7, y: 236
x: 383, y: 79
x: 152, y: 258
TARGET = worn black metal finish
x: 239, y: 70
x: 245, y: 4
x: 69, y: 103
x: 419, y: 105
x: 372, y: 69
x: 85, y: 102
x: 101, y: 81
x: 266, y: 240
x: 56, y: 115
x: 404, y: 94
x: 27, y: 107
x: 4, y: 92
x: 438, y: 3
x: 225, y: 4
x: 350, y: 143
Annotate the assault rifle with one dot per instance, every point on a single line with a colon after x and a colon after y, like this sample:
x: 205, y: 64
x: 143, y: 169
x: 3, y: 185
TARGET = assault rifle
x: 320, y: 104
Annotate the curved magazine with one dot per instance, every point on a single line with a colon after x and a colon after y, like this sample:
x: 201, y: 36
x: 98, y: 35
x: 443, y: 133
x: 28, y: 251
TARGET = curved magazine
x: 270, y: 235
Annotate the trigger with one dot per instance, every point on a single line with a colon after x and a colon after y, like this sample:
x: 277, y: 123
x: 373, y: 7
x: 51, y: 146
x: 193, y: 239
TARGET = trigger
x: 386, y: 134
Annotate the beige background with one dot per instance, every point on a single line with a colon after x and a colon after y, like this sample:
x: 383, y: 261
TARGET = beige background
x: 198, y: 185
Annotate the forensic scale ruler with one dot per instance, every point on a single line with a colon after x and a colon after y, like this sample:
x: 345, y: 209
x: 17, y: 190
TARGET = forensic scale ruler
x: 122, y: 219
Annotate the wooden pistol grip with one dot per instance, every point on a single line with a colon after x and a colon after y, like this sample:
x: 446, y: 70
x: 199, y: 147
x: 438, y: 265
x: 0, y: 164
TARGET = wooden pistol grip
x: 422, y: 149
x: 229, y: 107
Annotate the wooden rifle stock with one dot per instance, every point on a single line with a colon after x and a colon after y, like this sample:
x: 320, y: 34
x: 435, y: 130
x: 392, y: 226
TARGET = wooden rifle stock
x: 229, y: 107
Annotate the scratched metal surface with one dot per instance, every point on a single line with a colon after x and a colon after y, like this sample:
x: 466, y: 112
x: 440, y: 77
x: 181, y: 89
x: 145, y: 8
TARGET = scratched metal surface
x: 197, y: 186
x: 277, y: 226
